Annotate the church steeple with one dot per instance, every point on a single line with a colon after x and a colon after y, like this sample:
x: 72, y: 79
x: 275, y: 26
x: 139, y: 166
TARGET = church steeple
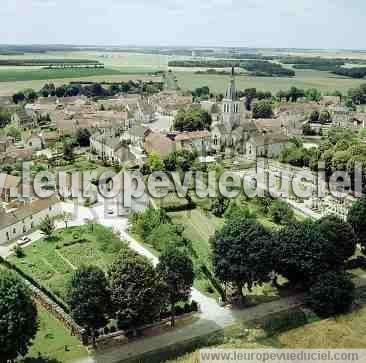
x: 231, y: 105
x: 231, y: 91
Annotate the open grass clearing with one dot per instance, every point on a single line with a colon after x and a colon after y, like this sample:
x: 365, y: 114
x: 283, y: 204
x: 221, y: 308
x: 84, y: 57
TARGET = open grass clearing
x: 51, y: 340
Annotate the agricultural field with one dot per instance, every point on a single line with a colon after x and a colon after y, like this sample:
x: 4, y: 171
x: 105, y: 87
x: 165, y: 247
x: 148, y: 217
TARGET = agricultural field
x: 51, y: 339
x: 122, y: 66
x: 51, y: 262
x: 324, y: 81
x: 119, y: 67
x: 15, y: 74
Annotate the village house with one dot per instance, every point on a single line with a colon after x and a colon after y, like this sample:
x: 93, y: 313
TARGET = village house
x: 4, y: 144
x: 24, y: 120
x: 191, y: 141
x: 266, y: 145
x: 8, y: 183
x: 18, y: 221
x: 34, y: 141
x: 109, y: 147
x: 158, y: 143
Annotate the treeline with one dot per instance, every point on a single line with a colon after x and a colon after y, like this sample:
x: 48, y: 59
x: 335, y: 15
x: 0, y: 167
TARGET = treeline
x: 260, y: 68
x: 312, y: 256
x: 356, y: 72
x: 265, y: 69
x: 46, y: 62
x: 321, y: 64
x: 89, y: 90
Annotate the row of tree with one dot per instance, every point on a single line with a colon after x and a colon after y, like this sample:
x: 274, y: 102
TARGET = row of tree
x: 133, y: 292
x: 89, y: 90
x: 245, y: 254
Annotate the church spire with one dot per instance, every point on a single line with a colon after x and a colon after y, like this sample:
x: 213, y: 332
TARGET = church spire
x: 231, y: 91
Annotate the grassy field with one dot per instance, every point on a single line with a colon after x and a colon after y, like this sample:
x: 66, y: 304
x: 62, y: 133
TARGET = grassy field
x: 343, y: 332
x: 51, y: 339
x: 324, y: 81
x: 33, y: 74
x: 52, y: 262
x: 121, y: 66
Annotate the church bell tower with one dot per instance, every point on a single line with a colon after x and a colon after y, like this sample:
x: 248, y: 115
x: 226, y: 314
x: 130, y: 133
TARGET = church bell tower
x: 231, y: 105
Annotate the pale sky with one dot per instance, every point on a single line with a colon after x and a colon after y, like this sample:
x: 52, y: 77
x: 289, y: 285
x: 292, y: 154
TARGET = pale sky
x: 332, y: 24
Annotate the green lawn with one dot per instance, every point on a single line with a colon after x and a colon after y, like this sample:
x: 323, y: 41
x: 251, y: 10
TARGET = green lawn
x: 52, y: 262
x: 82, y: 164
x: 199, y: 227
x: 51, y: 339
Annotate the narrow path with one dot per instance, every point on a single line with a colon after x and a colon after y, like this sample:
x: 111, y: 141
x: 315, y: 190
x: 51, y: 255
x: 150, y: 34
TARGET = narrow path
x: 66, y: 260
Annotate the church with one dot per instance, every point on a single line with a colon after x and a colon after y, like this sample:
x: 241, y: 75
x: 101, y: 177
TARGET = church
x: 234, y: 132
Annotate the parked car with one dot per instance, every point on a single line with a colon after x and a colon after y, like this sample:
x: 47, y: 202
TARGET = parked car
x: 24, y: 240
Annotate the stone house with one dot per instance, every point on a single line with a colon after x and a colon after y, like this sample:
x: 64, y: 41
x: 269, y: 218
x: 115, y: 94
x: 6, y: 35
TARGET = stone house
x: 266, y: 145
x: 105, y: 144
x: 191, y: 141
x: 18, y: 221
x: 7, y: 184
x: 34, y: 141
x: 24, y: 120
x: 158, y: 143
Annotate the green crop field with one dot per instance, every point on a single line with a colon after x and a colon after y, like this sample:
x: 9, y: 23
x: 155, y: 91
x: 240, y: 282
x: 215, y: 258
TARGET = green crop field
x: 14, y: 74
x: 122, y: 66
x: 324, y: 81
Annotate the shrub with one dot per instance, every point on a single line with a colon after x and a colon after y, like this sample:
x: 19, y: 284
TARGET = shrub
x: 106, y: 331
x: 179, y: 310
x: 187, y: 308
x: 19, y: 252
x: 332, y: 294
x: 281, y: 212
x: 113, y: 329
x: 194, y: 305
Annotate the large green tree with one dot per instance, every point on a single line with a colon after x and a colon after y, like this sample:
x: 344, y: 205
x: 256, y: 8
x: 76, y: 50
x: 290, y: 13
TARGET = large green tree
x: 192, y: 119
x: 137, y: 294
x: 83, y: 137
x: 333, y: 293
x: 18, y: 317
x: 302, y: 252
x: 175, y: 269
x: 241, y: 253
x: 88, y: 297
x: 341, y: 236
x: 357, y: 219
x: 262, y: 109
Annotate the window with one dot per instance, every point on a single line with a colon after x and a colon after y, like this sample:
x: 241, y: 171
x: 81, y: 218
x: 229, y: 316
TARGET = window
x: 14, y: 230
x: 7, y: 236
